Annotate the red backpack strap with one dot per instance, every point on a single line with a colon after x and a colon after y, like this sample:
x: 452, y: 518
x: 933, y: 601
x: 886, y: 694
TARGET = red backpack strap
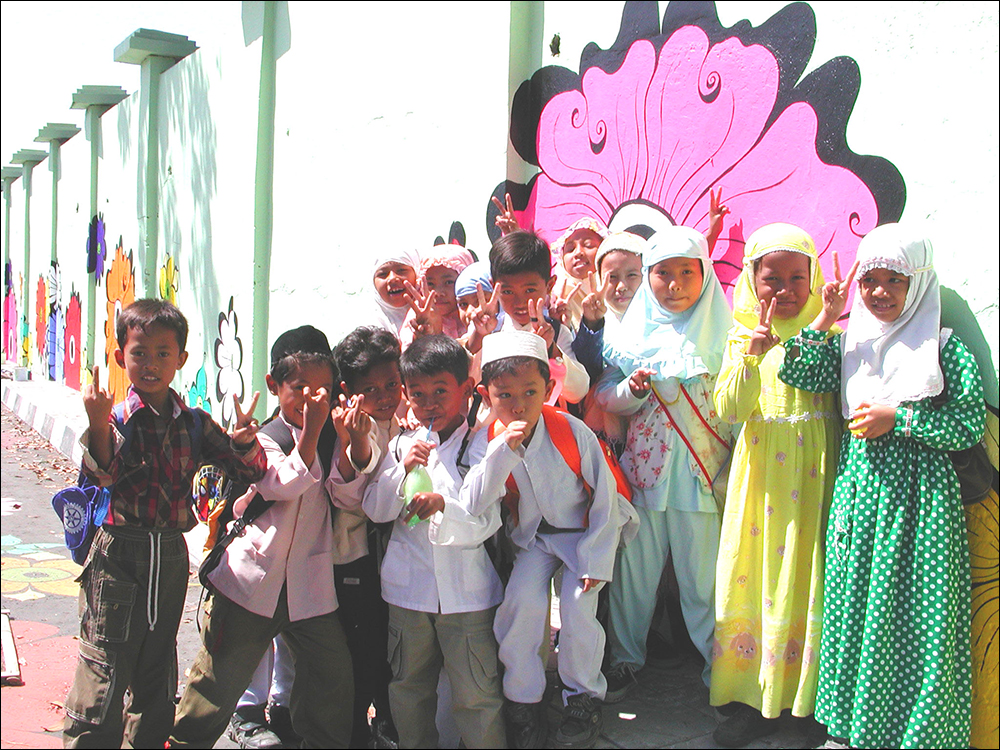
x: 561, y: 433
x: 512, y: 499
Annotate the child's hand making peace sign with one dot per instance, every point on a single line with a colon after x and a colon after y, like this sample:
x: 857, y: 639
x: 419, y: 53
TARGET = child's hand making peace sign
x: 245, y: 427
x: 834, y: 294
x: 763, y: 337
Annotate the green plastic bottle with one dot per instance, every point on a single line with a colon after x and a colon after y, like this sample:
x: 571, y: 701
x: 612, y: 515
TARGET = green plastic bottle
x: 418, y: 480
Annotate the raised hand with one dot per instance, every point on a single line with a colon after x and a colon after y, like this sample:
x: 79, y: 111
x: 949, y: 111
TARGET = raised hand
x: 834, y: 295
x: 484, y: 315
x: 539, y: 324
x: 97, y: 402
x: 640, y: 382
x: 515, y: 434
x: 595, y: 304
x: 506, y: 221
x: 245, y: 427
x: 716, y: 210
x: 763, y: 337
x: 315, y: 410
x: 356, y: 420
x: 427, y: 319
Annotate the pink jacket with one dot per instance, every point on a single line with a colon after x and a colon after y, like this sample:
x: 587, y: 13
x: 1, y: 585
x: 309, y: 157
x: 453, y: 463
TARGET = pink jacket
x: 292, y: 541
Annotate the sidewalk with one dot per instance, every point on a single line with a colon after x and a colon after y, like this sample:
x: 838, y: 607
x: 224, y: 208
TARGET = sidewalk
x: 668, y: 709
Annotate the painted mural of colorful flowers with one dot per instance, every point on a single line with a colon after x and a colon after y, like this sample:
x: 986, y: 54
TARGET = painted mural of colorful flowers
x: 55, y: 342
x: 197, y: 395
x: 673, y: 111
x: 97, y: 247
x: 120, y: 284
x: 9, y: 314
x: 229, y: 359
x: 41, y: 316
x: 72, y: 352
x: 169, y: 280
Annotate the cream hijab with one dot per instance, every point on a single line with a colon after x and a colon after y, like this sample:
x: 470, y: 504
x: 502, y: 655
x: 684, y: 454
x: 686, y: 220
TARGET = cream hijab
x: 892, y: 363
x: 385, y: 315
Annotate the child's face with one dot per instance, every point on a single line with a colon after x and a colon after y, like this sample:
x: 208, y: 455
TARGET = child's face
x: 291, y: 392
x: 382, y: 388
x: 439, y: 398
x: 624, y: 271
x: 783, y: 276
x: 519, y: 396
x: 676, y: 283
x: 441, y: 282
x: 389, y: 280
x: 517, y: 288
x: 151, y: 358
x: 884, y: 293
x: 465, y: 305
x: 579, y: 251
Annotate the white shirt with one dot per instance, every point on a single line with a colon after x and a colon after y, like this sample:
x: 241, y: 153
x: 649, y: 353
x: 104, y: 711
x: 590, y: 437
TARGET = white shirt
x: 551, y: 491
x: 439, y: 565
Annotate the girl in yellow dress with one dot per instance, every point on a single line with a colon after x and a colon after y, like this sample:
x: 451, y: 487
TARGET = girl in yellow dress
x: 769, y: 579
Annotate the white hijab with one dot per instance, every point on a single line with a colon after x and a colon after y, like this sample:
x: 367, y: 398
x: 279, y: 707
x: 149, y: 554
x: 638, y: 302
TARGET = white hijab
x: 385, y: 315
x: 893, y: 363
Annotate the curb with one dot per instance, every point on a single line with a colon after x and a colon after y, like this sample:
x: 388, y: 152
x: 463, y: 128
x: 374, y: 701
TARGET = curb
x: 53, y: 410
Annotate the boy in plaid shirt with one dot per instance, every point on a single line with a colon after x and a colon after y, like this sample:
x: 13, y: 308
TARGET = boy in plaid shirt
x: 134, y: 581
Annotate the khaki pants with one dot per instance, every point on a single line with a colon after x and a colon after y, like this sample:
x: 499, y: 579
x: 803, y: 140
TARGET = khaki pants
x: 118, y: 648
x: 419, y: 644
x: 233, y: 642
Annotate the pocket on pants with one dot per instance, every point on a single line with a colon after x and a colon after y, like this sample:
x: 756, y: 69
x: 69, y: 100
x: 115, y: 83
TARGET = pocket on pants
x: 395, y: 651
x: 483, y: 659
x: 93, y: 685
x: 117, y: 598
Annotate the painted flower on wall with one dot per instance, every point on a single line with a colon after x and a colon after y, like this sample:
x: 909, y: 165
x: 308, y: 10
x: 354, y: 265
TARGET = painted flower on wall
x: 229, y: 359
x: 9, y: 314
x: 73, y: 352
x: 197, y: 395
x: 673, y: 111
x: 57, y: 322
x: 97, y: 247
x: 41, y: 316
x: 169, y: 280
x: 120, y: 286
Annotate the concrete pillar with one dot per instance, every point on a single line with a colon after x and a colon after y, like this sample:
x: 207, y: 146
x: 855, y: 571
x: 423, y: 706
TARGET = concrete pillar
x: 154, y: 52
x: 95, y: 100
x: 9, y: 175
x: 27, y: 158
x: 55, y: 134
x: 527, y: 21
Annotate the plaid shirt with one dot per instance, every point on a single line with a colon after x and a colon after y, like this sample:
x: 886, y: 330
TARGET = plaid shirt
x: 152, y: 485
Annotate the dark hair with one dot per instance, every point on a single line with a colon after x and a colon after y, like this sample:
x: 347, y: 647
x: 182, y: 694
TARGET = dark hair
x: 287, y: 365
x: 144, y: 314
x: 512, y: 366
x: 520, y: 252
x: 362, y: 349
x: 429, y: 355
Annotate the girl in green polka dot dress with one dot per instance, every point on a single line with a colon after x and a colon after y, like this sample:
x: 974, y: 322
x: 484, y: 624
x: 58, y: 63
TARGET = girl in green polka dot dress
x: 895, y: 655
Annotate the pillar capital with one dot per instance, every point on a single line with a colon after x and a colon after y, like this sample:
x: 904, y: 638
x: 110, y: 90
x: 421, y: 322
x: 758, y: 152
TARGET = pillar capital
x: 59, y: 132
x: 142, y: 44
x: 104, y: 97
x: 29, y: 157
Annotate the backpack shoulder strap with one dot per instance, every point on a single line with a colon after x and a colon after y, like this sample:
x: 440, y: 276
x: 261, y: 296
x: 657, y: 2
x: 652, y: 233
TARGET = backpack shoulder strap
x: 127, y: 429
x: 561, y: 433
x: 196, y: 431
x: 278, y: 431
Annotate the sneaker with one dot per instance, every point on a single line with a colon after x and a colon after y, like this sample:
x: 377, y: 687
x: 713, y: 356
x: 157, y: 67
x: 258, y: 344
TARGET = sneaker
x: 621, y: 679
x: 525, y: 725
x: 582, y: 722
x: 248, y: 729
x: 279, y: 720
x: 743, y: 727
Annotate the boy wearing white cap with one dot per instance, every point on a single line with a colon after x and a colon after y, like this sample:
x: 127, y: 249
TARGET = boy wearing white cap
x: 556, y: 515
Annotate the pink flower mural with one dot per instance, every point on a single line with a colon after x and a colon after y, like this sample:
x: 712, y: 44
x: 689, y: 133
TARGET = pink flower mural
x: 72, y: 353
x: 41, y: 316
x: 9, y: 314
x: 667, y: 114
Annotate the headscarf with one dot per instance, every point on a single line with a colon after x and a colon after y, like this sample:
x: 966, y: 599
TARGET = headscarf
x: 618, y: 242
x: 385, y: 315
x: 892, y: 363
x: 477, y: 273
x: 455, y: 257
x: 593, y: 225
x: 673, y: 345
x: 774, y: 238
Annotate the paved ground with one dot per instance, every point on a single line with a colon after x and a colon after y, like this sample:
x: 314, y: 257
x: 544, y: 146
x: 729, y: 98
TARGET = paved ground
x: 668, y: 709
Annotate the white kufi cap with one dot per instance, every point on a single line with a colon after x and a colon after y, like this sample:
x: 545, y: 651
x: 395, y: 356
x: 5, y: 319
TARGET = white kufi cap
x: 514, y: 344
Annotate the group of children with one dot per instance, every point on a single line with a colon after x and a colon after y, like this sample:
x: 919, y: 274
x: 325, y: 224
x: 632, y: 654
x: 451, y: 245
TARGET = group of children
x: 424, y: 498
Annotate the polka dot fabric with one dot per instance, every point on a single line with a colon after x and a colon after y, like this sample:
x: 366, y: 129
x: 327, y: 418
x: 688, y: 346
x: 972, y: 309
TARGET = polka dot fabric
x: 895, y: 665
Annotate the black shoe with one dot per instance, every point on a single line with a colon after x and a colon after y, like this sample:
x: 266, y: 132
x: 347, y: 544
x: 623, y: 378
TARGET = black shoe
x: 384, y: 735
x: 814, y: 733
x: 525, y: 725
x: 743, y: 727
x: 582, y: 722
x: 248, y: 729
x: 279, y: 720
x: 621, y: 679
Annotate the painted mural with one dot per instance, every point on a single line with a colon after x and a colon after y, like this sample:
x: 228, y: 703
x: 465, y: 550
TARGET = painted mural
x: 41, y: 316
x: 671, y: 111
x: 169, y: 280
x: 72, y: 343
x: 56, y: 336
x: 9, y: 314
x: 229, y: 360
x: 120, y: 287
x: 197, y: 392
x: 97, y: 247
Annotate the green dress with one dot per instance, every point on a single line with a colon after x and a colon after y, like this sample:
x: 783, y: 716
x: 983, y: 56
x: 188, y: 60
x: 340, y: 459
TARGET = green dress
x: 895, y: 665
